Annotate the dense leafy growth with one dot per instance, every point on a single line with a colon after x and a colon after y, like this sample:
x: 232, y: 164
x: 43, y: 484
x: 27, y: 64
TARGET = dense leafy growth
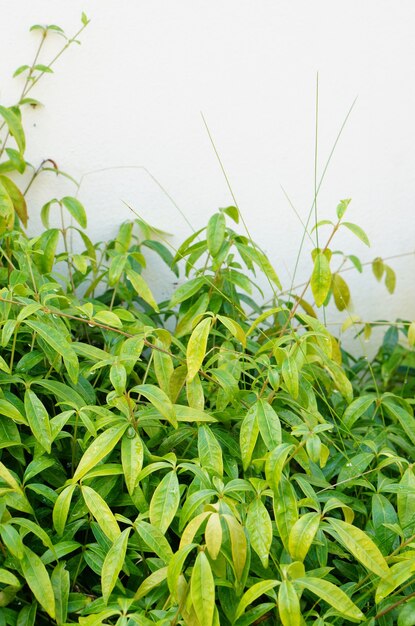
x: 207, y: 460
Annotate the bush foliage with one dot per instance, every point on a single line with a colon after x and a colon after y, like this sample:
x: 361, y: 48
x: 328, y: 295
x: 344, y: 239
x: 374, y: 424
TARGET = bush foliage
x: 202, y: 461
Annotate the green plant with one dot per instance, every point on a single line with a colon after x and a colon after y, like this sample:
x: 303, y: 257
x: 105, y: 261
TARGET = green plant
x: 236, y: 469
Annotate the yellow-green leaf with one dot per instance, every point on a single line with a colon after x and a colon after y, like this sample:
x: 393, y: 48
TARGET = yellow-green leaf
x: 288, y: 604
x: 98, y: 449
x: 38, y: 419
x: 361, y: 546
x: 38, y: 580
x: 302, y: 535
x: 165, y: 502
x: 101, y: 512
x: 259, y: 527
x: 332, y: 595
x: 142, y: 289
x: 238, y: 544
x: 15, y: 127
x: 154, y: 580
x: 215, y: 233
x: 113, y: 564
x: 202, y: 590
x: 17, y: 198
x: 61, y: 508
x: 213, y: 535
x: 320, y: 278
x: 132, y: 453
x: 248, y: 436
x: 196, y: 347
x: 341, y: 292
x: 253, y: 593
x: 159, y: 400
x: 356, y: 230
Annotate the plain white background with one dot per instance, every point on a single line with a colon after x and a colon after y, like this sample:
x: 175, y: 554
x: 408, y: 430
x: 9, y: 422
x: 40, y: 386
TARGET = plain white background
x: 132, y: 95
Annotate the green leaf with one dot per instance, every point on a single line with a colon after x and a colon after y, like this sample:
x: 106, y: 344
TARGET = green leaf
x: 7, y: 578
x: 248, y: 436
x: 361, y: 546
x: 213, y: 535
x: 57, y: 342
x: 406, y: 502
x: 38, y: 580
x: 61, y: 508
x: 378, y: 268
x: 132, y: 453
x: 259, y: 526
x: 399, y: 574
x: 262, y: 262
x: 154, y: 580
x: 141, y: 288
x: 113, y: 564
x: 404, y: 417
x: 269, y: 424
x: 332, y: 595
x: 45, y: 69
x: 175, y: 567
x: 186, y: 291
x: 289, y: 604
x: 209, y: 450
x: 202, y: 590
x: 17, y: 198
x: 165, y: 502
x: 159, y: 400
x: 342, y: 207
x: 356, y: 409
x: 6, y: 210
x: 101, y: 512
x: 390, y: 279
x: 47, y: 244
x: 235, y: 329
x: 238, y: 545
x: 215, y: 233
x: 253, y: 593
x: 154, y: 539
x: 341, y: 292
x: 290, y: 375
x: 233, y: 213
x: 302, y: 535
x: 108, y: 318
x: 38, y: 419
x: 15, y: 127
x: 285, y: 509
x: 76, y: 209
x: 320, y: 278
x: 61, y: 586
x: 356, y: 230
x: 196, y: 347
x: 99, y: 448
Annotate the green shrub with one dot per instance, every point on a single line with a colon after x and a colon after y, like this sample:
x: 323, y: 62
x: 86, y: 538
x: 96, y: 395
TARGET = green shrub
x: 207, y: 460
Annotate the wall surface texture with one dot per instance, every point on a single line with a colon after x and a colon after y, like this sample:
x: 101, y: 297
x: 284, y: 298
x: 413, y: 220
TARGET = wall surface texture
x: 132, y: 95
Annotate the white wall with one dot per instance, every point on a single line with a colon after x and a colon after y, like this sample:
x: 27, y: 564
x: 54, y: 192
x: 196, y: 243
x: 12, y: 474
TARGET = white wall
x: 132, y: 93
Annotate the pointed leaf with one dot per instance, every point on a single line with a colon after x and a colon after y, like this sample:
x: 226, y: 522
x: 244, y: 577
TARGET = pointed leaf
x: 289, y: 604
x: 113, y: 564
x: 38, y: 580
x: 320, y: 278
x: 202, y: 590
x: 101, y: 512
x: 165, y: 502
x: 99, y: 449
x: 361, y: 546
x: 196, y: 347
x: 332, y: 595
x: 302, y: 535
